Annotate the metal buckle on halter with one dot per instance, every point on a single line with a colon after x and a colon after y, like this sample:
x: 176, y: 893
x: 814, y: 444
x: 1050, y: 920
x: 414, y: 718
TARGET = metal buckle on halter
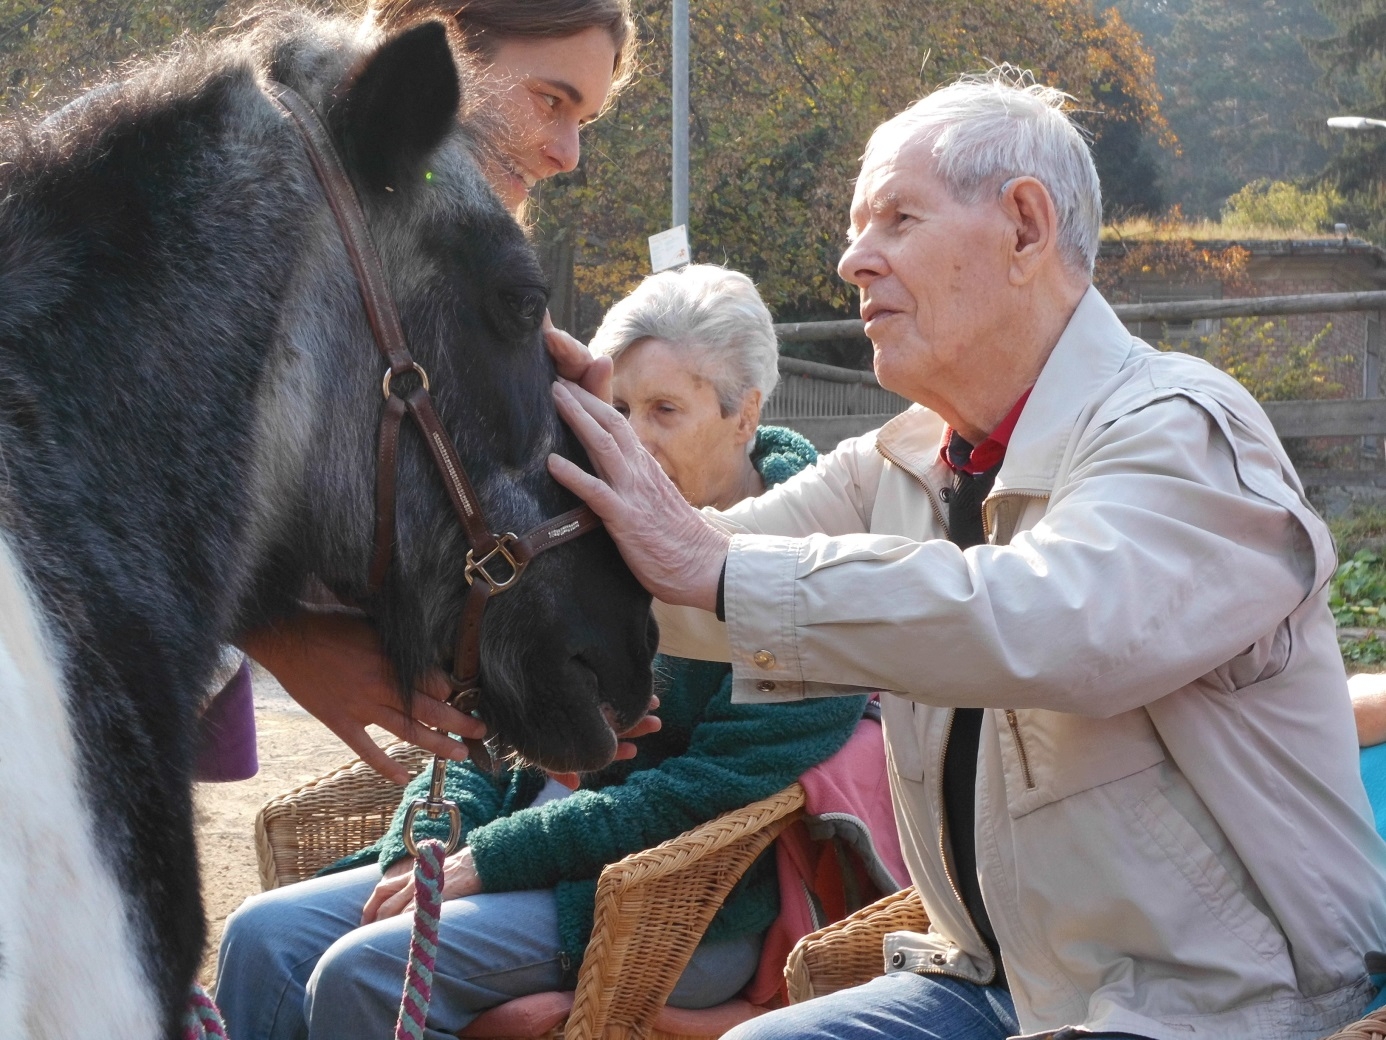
x: 390, y: 374
x: 475, y: 567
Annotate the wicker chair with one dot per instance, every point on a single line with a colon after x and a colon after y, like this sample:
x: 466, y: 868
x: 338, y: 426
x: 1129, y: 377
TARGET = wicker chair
x: 848, y: 953
x: 652, y: 907
x: 301, y: 831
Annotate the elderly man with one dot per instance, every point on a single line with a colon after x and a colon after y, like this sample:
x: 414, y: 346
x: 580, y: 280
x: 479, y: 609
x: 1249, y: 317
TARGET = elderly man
x: 1122, y: 751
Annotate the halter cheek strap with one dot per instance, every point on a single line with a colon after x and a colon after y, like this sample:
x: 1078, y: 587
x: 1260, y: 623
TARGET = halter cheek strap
x: 494, y: 562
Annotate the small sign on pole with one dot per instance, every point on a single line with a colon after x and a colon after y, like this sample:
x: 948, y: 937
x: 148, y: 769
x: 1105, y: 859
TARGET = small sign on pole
x: 669, y: 249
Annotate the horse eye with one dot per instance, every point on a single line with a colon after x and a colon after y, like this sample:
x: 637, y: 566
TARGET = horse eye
x: 527, y: 304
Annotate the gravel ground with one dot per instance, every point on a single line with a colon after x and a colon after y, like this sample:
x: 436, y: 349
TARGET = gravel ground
x: 293, y: 748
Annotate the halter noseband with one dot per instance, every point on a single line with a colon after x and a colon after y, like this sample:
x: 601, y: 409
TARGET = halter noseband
x: 488, y: 551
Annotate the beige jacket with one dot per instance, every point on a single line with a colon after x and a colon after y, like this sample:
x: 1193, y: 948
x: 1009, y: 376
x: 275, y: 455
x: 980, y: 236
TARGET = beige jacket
x: 1172, y: 833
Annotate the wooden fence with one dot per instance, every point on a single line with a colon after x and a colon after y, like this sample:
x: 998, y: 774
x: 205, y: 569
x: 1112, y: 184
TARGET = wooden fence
x: 827, y: 404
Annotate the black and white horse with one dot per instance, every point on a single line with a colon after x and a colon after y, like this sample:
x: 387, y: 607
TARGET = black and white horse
x: 189, y: 397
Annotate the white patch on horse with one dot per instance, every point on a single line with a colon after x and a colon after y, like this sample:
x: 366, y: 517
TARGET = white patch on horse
x: 69, y: 959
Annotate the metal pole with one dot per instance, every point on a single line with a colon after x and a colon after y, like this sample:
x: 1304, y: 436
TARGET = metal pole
x: 680, y: 113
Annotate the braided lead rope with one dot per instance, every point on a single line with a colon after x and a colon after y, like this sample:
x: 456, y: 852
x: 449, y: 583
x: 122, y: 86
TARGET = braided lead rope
x: 202, y: 1020
x: 423, y: 943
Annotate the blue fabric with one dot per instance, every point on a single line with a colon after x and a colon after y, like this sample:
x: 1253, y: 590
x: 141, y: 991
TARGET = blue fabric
x: 1374, y: 778
x: 1373, y: 763
x: 295, y: 965
x: 902, y: 1006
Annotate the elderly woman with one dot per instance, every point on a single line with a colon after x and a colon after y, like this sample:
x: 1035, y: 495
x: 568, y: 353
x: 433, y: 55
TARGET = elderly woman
x: 695, y: 358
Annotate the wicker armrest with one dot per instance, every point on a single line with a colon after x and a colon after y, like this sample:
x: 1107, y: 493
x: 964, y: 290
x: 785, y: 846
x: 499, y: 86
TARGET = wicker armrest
x: 652, y: 910
x: 848, y: 952
x: 1373, y: 1027
x: 299, y: 833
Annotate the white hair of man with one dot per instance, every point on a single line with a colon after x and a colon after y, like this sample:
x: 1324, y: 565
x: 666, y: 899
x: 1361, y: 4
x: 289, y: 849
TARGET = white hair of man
x: 712, y: 316
x: 989, y: 128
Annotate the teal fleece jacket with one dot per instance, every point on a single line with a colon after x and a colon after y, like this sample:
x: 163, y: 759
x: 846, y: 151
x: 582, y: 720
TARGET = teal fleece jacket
x: 711, y: 756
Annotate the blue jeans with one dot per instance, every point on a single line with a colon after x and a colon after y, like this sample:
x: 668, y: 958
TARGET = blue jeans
x: 296, y: 965
x: 898, y: 1007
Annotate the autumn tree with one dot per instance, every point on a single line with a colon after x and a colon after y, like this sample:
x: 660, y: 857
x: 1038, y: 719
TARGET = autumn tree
x: 49, y: 48
x: 784, y: 94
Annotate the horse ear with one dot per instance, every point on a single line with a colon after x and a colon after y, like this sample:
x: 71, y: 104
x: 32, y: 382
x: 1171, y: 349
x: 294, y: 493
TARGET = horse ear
x: 395, y: 108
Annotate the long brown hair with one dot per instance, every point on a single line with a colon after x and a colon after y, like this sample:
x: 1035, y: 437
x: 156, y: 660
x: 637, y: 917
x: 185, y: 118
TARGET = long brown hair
x: 484, y: 24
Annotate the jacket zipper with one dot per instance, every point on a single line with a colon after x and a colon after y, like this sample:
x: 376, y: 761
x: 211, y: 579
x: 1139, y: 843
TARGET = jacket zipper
x: 928, y: 491
x: 947, y: 870
x: 1020, y: 749
x: 943, y: 751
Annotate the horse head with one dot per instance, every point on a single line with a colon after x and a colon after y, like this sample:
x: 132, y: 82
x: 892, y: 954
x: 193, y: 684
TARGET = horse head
x: 565, y: 651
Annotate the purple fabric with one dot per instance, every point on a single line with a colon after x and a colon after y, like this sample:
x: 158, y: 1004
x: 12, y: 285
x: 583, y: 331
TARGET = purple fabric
x: 226, y: 732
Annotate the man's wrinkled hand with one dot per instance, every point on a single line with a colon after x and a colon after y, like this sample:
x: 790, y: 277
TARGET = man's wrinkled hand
x: 668, y: 545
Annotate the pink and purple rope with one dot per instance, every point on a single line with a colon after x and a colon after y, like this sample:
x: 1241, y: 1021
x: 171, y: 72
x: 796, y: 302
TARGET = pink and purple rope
x: 423, y: 944
x: 202, y: 1020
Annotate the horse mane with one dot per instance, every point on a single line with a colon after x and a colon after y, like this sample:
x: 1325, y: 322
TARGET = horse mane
x: 308, y: 48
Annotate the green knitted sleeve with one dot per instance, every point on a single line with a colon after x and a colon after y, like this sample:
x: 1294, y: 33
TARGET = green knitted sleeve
x: 738, y: 753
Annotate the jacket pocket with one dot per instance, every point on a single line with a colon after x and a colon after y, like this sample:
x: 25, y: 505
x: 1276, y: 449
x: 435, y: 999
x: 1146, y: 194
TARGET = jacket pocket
x: 1049, y: 755
x: 907, y: 729
x: 1264, y: 659
x: 1214, y: 877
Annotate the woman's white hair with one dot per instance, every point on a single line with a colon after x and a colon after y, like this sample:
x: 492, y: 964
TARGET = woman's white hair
x: 986, y: 129
x: 711, y: 315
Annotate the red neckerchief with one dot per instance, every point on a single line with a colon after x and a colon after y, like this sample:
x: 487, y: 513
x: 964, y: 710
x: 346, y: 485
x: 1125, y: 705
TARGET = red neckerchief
x: 961, y: 457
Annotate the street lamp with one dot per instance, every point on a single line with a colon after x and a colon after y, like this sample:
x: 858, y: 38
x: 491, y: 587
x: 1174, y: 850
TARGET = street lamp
x: 1354, y: 122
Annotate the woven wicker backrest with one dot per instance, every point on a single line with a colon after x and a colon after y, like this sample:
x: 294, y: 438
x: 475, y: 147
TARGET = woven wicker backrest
x: 1373, y: 1027
x: 848, y: 952
x: 299, y: 833
x: 653, y: 908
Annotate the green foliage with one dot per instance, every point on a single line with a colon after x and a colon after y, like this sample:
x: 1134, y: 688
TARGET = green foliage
x: 1267, y: 359
x: 1240, y: 94
x: 1363, y: 528
x: 1283, y: 205
x: 1353, y: 58
x: 1357, y: 593
x: 49, y: 48
x: 1363, y: 653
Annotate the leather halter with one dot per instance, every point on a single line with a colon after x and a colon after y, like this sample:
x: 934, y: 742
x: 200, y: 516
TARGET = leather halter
x: 488, y: 550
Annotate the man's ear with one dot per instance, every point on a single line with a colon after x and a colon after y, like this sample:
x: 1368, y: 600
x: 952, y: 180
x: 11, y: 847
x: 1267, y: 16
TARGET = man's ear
x: 395, y: 108
x: 1028, y: 205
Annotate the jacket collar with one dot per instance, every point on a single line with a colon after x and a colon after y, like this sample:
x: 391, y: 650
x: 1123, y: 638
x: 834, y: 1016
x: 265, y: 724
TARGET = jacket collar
x: 1092, y: 349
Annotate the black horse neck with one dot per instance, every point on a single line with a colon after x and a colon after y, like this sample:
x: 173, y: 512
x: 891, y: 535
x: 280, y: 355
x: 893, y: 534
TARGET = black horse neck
x: 157, y: 252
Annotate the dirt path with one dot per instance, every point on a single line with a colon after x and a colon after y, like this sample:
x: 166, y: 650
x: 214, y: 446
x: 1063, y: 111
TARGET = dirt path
x: 293, y: 748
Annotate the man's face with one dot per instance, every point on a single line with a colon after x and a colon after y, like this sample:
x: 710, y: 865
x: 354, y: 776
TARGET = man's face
x: 933, y: 276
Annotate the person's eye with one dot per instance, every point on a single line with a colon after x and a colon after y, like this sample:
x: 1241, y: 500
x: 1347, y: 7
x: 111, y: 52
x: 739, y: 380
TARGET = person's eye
x: 622, y: 408
x: 551, y: 100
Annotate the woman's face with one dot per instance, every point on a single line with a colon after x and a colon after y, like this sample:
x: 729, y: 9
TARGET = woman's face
x: 545, y: 91
x: 674, y: 412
